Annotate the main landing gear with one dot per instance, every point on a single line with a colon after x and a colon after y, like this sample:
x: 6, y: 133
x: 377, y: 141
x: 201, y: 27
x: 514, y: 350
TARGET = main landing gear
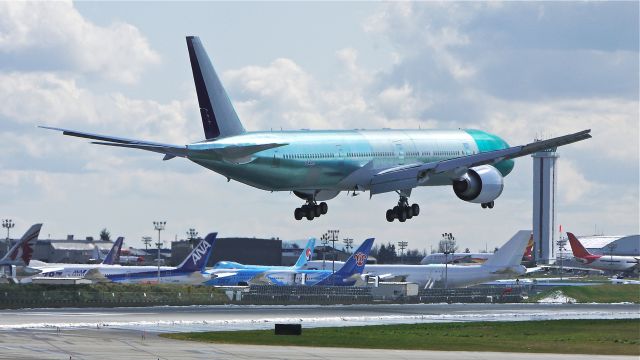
x: 403, y: 211
x: 487, y: 205
x: 311, y: 210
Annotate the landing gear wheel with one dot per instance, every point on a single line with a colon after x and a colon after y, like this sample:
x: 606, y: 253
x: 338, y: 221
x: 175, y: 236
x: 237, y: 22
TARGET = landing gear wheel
x: 484, y: 205
x: 310, y: 214
x: 317, y: 211
x: 490, y: 205
x: 324, y: 207
x: 409, y: 213
x: 402, y: 215
x: 415, y: 209
x: 298, y: 214
x: 390, y: 215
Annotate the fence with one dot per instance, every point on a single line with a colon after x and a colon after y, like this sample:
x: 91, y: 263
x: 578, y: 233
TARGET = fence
x: 21, y: 296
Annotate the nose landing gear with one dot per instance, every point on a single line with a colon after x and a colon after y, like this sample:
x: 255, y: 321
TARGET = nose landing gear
x: 311, y: 210
x: 403, y: 211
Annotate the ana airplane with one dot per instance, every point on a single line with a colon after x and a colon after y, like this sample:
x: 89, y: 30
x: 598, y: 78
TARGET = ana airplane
x: 504, y: 263
x: 347, y: 275
x: 601, y: 262
x: 190, y: 271
x: 44, y: 269
x: 318, y: 165
x: 305, y: 255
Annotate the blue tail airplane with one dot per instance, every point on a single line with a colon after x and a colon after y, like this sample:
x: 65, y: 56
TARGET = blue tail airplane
x: 190, y: 271
x: 347, y: 275
x: 317, y: 165
x: 305, y: 256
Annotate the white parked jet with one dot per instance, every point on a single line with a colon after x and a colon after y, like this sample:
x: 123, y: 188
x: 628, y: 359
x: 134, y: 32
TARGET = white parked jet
x: 601, y: 262
x: 505, y: 263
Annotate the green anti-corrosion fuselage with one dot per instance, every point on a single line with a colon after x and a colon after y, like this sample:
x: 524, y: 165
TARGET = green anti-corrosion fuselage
x: 324, y: 160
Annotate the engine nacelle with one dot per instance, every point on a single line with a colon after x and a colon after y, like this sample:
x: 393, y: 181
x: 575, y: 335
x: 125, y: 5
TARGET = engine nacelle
x: 480, y: 184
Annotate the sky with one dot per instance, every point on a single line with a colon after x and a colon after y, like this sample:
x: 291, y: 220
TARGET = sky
x: 521, y: 70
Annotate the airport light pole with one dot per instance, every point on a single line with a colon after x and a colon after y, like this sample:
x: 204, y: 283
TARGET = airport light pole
x: 8, y: 224
x: 348, y: 244
x: 324, y: 240
x: 147, y: 241
x: 333, y: 237
x: 611, y: 247
x: 159, y: 226
x: 192, y: 234
x: 448, y: 237
x: 561, y: 242
x: 402, y: 245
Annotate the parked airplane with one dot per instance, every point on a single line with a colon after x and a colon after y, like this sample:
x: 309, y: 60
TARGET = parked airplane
x: 318, y: 165
x: 470, y: 258
x: 190, y: 271
x: 20, y: 253
x: 601, y: 262
x: 305, y: 255
x: 44, y: 269
x: 505, y: 263
x: 113, y: 257
x: 347, y: 275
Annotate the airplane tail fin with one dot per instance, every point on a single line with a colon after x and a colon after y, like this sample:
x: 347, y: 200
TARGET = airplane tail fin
x: 356, y: 262
x: 219, y: 119
x: 113, y: 257
x: 510, y: 254
x: 20, y: 254
x: 198, y: 258
x: 577, y: 248
x: 528, y: 251
x: 306, y: 255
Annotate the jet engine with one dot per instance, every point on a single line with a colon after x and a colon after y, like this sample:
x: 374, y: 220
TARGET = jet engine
x: 480, y: 185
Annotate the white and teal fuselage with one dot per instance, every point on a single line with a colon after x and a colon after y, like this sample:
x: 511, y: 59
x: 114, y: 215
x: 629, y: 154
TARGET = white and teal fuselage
x: 324, y: 160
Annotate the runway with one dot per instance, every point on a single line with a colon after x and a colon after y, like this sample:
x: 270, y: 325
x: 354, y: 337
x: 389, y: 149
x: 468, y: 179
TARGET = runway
x: 124, y: 344
x: 131, y: 333
x: 234, y: 317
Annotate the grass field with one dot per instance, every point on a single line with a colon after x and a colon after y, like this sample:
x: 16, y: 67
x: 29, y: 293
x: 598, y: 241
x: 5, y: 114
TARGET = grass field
x: 607, y: 293
x: 612, y: 337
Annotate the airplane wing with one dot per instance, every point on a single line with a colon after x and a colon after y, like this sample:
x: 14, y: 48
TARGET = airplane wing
x: 233, y: 153
x: 412, y: 175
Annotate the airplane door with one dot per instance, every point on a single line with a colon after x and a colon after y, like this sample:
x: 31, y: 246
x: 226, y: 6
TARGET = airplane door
x: 276, y: 159
x: 340, y: 155
x: 400, y: 153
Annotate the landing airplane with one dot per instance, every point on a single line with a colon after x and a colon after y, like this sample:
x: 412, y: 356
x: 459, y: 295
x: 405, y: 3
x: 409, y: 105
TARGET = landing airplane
x: 347, y: 275
x: 305, y: 255
x: 601, y: 262
x: 318, y: 165
x: 505, y: 263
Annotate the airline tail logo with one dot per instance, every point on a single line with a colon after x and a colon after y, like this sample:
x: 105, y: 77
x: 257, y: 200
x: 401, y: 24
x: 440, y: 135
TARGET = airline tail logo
x: 199, y: 252
x: 24, y: 251
x: 361, y: 258
x: 307, y: 254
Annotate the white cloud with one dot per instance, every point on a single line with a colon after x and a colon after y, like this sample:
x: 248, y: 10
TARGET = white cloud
x: 60, y: 35
x: 57, y: 100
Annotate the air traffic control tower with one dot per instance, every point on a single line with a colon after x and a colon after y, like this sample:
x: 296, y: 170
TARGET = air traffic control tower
x: 544, y: 206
